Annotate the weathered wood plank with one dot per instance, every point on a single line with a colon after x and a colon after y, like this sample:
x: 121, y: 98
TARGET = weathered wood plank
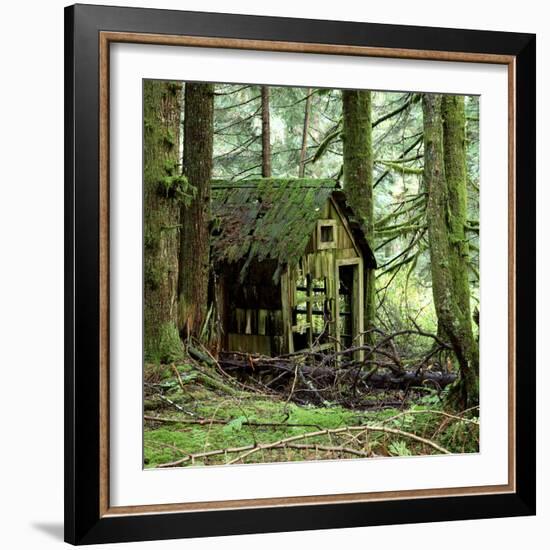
x: 250, y: 343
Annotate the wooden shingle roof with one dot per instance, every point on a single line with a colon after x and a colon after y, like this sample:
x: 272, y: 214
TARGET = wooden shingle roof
x: 271, y: 218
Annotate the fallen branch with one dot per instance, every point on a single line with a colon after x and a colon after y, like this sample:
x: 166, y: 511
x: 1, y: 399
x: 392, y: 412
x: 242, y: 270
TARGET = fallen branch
x: 329, y: 374
x: 298, y: 446
x: 206, y: 357
x: 207, y: 421
x: 179, y: 407
x: 430, y: 411
x: 178, y: 377
x: 206, y: 454
x: 314, y: 447
x: 248, y: 450
x: 334, y: 431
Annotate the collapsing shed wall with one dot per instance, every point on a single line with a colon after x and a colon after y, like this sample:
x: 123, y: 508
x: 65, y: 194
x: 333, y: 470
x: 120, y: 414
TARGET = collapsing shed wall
x: 253, y: 309
x: 319, y: 259
x: 311, y: 288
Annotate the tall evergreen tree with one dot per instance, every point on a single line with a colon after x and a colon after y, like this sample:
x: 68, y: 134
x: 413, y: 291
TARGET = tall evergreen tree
x: 358, y: 165
x: 303, y: 150
x: 266, y: 134
x: 161, y: 213
x: 194, y: 252
x: 445, y: 182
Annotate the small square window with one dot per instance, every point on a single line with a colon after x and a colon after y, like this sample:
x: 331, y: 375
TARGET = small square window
x: 327, y: 233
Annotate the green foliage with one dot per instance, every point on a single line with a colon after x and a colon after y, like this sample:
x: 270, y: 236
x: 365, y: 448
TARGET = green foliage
x: 401, y: 168
x: 169, y: 138
x: 234, y: 425
x: 171, y: 166
x: 461, y: 436
x: 237, y: 139
x: 177, y: 187
x: 327, y: 140
x: 399, y: 448
x: 406, y: 297
x: 432, y: 398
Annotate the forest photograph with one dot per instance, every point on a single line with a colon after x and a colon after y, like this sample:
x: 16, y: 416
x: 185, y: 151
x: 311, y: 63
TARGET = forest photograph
x: 310, y: 274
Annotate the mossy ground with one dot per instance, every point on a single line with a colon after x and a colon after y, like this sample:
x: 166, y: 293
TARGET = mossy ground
x: 231, y: 420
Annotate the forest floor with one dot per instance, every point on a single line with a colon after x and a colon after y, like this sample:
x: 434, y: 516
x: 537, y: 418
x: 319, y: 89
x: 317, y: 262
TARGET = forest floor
x: 195, y: 415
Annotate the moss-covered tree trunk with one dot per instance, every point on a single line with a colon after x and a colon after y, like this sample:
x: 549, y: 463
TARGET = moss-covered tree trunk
x: 358, y: 163
x: 454, y: 148
x: 266, y: 134
x: 194, y: 252
x: 161, y: 105
x: 450, y: 288
x: 305, y: 131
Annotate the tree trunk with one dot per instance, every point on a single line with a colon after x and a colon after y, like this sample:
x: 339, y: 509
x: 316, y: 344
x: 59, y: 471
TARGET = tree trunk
x: 194, y: 254
x: 161, y: 115
x: 303, y: 151
x: 454, y: 149
x: 266, y: 134
x: 358, y: 165
x: 445, y: 265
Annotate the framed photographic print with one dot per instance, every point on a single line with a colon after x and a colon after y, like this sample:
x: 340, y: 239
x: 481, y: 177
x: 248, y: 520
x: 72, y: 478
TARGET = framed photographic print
x: 299, y: 274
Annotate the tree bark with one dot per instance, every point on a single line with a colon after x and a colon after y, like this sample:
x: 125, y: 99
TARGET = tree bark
x: 454, y: 148
x: 303, y: 150
x: 161, y: 106
x: 266, y: 134
x: 358, y: 166
x: 446, y: 262
x: 194, y: 252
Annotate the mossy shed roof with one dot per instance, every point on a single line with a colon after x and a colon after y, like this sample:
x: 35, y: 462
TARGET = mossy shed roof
x: 273, y: 219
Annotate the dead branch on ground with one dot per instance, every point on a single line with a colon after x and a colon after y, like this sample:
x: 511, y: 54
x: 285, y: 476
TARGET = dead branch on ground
x: 248, y: 450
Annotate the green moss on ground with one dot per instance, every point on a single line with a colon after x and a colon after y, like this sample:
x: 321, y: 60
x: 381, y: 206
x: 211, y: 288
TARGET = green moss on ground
x: 234, y: 419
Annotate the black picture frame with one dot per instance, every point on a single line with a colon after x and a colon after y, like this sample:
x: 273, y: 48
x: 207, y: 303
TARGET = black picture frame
x: 84, y: 524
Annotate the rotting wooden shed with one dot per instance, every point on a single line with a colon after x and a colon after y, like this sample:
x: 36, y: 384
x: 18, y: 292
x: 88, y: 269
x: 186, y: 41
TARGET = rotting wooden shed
x: 289, y: 266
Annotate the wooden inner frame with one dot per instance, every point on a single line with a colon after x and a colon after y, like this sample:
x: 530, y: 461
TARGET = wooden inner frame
x: 105, y: 39
x: 357, y: 296
x: 329, y: 243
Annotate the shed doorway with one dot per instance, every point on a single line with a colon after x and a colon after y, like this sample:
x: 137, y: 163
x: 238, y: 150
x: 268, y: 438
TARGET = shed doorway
x: 349, y: 308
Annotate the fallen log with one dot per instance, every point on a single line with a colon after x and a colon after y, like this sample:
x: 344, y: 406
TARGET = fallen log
x: 327, y: 375
x: 390, y: 380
